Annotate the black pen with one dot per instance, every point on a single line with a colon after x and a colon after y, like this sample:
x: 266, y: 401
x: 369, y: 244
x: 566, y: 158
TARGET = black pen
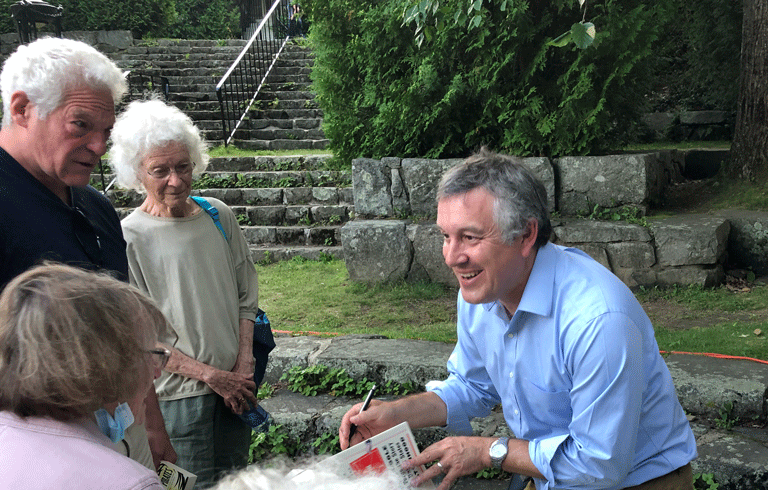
x: 353, y: 427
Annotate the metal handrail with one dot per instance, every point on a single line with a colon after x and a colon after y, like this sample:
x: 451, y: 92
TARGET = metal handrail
x: 235, y: 90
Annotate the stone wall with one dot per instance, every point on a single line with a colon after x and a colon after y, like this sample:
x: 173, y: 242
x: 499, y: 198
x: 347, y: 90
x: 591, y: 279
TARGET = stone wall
x: 689, y: 125
x: 394, y: 236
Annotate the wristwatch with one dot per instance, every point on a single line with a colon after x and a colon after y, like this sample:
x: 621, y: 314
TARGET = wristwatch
x: 498, y: 451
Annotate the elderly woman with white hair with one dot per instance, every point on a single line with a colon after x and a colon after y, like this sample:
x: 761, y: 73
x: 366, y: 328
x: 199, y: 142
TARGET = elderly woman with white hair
x: 77, y: 357
x: 196, y: 264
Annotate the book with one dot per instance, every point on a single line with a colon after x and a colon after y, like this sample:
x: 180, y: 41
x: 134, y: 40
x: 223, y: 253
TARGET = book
x: 173, y: 477
x: 382, y: 452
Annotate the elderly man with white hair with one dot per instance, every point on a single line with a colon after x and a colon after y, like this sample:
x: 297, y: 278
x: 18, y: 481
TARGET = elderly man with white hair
x: 59, y: 99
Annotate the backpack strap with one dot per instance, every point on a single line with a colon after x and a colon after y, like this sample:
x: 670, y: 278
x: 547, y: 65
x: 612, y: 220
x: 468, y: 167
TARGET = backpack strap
x: 212, y: 212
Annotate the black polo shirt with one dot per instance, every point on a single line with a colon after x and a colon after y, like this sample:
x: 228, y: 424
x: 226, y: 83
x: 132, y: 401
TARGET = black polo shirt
x: 35, y: 225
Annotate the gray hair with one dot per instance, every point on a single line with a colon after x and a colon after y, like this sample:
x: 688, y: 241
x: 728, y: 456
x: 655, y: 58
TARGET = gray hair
x: 314, y: 476
x: 518, y: 195
x: 146, y: 126
x: 47, y: 69
x: 72, y: 341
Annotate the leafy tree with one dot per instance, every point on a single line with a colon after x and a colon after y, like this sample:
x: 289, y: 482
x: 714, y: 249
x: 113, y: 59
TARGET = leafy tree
x: 490, y: 79
x: 141, y: 17
x: 205, y: 19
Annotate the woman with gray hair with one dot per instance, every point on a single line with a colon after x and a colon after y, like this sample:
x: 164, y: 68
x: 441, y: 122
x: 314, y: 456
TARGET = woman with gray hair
x: 191, y: 257
x: 76, y: 363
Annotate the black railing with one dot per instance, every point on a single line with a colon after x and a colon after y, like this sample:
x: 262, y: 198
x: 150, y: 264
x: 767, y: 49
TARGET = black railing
x: 240, y: 86
x: 29, y: 13
x: 141, y: 85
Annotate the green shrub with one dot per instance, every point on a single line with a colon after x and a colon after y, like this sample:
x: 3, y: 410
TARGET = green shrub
x: 141, y: 17
x: 498, y: 84
x: 185, y: 19
x: 205, y: 19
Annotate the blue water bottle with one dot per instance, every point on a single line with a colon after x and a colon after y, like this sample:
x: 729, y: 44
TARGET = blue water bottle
x: 257, y: 418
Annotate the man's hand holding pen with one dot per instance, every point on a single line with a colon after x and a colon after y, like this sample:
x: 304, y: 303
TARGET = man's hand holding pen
x: 363, y: 408
x: 364, y: 420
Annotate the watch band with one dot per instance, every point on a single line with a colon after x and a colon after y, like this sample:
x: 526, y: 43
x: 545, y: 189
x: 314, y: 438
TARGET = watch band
x: 498, y: 451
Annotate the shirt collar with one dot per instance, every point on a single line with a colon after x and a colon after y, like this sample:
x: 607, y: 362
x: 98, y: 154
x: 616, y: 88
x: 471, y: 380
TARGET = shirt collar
x: 537, y: 296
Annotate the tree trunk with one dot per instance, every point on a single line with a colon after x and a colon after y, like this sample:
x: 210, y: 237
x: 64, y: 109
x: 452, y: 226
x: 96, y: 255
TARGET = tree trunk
x: 749, y: 151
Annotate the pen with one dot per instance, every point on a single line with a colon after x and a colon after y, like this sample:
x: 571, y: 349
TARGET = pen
x: 353, y: 427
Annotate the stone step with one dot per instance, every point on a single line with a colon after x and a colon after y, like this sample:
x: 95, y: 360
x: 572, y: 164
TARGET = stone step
x: 306, y: 197
x: 284, y: 179
x: 325, y: 236
x: 269, y: 163
x: 267, y: 94
x: 273, y: 134
x: 272, y: 145
x: 272, y: 254
x: 293, y: 215
x: 271, y: 196
x: 251, y: 126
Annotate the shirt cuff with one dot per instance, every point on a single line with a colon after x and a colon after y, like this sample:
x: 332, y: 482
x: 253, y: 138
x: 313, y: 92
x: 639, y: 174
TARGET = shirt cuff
x: 542, y: 451
x: 457, y: 420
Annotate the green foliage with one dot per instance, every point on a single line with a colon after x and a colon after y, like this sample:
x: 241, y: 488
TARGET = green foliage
x: 726, y: 420
x: 141, y: 17
x: 700, y: 54
x: 629, y: 214
x: 266, y: 390
x: 187, y: 19
x: 328, y: 443
x: 705, y: 481
x: 498, y: 84
x: 205, y: 19
x: 272, y: 443
x: 491, y: 474
x: 316, y: 379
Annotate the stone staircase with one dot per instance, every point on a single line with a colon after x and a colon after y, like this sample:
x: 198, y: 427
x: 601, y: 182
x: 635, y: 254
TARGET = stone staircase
x: 283, y: 117
x: 287, y: 206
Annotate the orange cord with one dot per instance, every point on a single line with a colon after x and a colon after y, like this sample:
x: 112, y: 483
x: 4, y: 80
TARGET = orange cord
x: 713, y: 354
x: 708, y: 354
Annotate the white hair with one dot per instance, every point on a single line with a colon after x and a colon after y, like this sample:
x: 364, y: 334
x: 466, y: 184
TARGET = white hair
x: 315, y: 477
x: 146, y: 126
x: 47, y: 69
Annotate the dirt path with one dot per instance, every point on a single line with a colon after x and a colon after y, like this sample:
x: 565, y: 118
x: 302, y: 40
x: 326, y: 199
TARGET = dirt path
x: 667, y: 314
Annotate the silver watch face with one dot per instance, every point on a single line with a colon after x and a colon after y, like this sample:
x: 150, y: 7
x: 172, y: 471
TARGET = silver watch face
x: 498, y: 450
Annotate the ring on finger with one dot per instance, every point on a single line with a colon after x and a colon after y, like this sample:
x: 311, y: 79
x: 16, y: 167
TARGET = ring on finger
x: 440, y: 465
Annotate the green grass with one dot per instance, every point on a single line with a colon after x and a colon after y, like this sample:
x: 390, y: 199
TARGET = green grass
x: 741, y: 195
x: 728, y: 320
x: 679, y: 145
x: 306, y: 296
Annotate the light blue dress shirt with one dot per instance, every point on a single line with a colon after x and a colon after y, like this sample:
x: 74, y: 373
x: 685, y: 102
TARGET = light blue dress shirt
x: 578, y: 373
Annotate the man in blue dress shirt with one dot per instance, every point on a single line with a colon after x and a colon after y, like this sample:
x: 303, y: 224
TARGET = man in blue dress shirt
x: 554, y: 337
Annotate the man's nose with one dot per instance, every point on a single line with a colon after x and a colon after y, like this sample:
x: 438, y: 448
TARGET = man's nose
x: 98, y: 143
x: 453, y: 253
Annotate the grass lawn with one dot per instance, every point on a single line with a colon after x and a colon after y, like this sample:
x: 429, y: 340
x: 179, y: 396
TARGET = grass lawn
x: 317, y: 297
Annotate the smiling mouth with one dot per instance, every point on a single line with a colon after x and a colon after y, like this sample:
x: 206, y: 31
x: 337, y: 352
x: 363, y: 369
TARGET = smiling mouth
x: 469, y: 275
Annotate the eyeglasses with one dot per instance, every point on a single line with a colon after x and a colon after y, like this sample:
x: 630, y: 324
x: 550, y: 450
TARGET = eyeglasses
x: 160, y: 357
x: 86, y: 235
x: 160, y: 173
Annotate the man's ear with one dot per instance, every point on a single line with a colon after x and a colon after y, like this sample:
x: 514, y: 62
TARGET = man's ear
x: 530, y: 235
x: 20, y: 108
